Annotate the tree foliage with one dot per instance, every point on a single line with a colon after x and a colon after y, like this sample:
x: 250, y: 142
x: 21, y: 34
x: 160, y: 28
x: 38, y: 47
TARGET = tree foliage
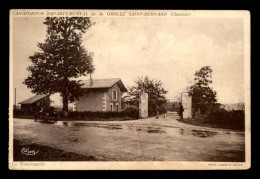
x: 203, y: 96
x: 154, y: 89
x: 61, y: 59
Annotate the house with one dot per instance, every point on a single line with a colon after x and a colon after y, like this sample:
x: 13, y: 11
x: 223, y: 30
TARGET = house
x: 35, y: 102
x: 101, y: 95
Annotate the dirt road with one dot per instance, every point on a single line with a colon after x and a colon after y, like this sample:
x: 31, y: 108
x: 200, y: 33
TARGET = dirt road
x: 163, y: 139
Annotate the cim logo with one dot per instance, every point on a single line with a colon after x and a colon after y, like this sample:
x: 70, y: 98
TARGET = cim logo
x: 27, y: 151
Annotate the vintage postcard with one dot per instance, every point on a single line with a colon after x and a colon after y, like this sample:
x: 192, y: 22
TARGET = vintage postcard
x: 129, y: 90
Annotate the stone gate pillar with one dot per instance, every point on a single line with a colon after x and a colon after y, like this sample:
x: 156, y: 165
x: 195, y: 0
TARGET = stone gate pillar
x: 187, y: 105
x: 143, y: 105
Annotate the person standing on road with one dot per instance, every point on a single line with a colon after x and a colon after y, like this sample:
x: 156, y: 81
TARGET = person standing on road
x: 36, y: 113
x: 181, y: 109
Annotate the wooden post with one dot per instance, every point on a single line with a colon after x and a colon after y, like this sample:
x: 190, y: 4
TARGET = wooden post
x: 15, y: 98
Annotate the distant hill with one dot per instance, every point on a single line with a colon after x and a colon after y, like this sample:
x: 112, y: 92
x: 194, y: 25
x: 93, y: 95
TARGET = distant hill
x: 235, y: 106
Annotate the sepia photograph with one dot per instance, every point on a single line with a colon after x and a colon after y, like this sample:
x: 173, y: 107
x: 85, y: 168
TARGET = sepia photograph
x: 129, y: 89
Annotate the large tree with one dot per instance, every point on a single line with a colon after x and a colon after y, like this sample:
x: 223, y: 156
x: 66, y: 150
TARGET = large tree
x: 203, y: 96
x: 61, y: 59
x: 154, y: 89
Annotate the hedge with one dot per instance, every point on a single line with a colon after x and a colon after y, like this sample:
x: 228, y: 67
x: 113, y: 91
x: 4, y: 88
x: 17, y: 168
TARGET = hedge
x: 103, y: 115
x: 131, y: 112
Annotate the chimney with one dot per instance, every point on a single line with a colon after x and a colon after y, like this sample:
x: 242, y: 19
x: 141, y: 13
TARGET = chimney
x: 90, y: 80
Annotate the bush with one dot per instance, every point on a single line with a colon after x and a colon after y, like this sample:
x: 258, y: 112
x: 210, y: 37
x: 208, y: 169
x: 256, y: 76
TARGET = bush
x: 130, y: 108
x: 234, y: 119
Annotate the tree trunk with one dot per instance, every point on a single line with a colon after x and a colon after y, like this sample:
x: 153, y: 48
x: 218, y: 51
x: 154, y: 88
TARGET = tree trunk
x: 65, y: 103
x: 65, y: 99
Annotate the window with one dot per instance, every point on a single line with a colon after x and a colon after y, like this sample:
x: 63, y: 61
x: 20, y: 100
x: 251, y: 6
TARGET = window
x: 111, y: 106
x: 114, y: 95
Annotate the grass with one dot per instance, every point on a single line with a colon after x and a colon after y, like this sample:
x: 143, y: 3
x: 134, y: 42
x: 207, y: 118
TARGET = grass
x: 45, y: 153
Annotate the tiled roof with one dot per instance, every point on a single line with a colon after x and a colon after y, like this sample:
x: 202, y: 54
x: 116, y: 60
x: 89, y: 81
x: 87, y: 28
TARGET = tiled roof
x: 33, y: 99
x: 104, y: 83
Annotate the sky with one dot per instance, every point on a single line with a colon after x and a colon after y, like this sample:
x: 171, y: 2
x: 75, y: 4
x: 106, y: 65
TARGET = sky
x: 167, y: 49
